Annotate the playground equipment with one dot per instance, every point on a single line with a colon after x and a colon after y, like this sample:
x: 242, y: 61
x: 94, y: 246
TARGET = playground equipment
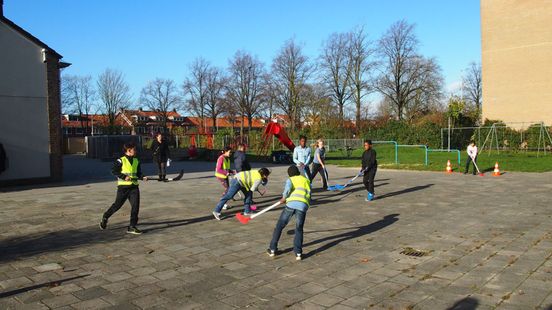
x: 273, y: 129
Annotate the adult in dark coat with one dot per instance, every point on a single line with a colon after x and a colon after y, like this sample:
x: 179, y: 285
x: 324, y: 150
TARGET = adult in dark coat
x: 161, y: 154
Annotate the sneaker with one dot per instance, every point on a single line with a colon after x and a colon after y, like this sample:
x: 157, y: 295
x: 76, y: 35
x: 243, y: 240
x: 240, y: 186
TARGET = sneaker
x: 225, y: 207
x: 103, y: 223
x: 370, y: 197
x: 297, y: 256
x: 216, y: 215
x: 270, y: 252
x: 133, y: 230
x: 247, y: 213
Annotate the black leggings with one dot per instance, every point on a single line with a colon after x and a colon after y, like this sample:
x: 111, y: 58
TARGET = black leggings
x: 368, y: 179
x: 318, y: 168
x: 162, y: 168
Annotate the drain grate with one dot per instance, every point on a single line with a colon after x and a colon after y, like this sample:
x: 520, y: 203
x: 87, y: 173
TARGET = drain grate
x: 414, y: 252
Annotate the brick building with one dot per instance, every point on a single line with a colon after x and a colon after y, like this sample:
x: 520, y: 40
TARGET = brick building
x: 517, y: 60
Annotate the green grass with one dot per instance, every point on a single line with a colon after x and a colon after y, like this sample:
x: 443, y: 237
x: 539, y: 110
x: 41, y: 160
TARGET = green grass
x: 413, y: 159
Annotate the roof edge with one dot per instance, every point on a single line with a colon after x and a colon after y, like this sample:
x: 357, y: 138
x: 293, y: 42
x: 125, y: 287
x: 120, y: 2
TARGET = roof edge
x: 30, y: 37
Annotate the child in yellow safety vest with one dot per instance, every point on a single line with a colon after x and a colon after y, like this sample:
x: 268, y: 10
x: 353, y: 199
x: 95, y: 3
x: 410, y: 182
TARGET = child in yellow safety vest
x: 128, y: 171
x: 296, y: 196
x: 247, y: 182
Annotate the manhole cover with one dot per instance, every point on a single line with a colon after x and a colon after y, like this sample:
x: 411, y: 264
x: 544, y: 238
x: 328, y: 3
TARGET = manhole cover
x: 414, y: 252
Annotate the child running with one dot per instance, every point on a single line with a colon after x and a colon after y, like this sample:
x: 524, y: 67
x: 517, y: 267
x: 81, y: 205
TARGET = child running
x: 128, y: 170
x: 296, y: 196
x: 247, y: 182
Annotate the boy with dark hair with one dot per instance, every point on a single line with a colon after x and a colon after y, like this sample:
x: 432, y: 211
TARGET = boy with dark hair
x: 302, y: 156
x: 247, y: 182
x: 296, y: 196
x: 369, y: 168
x: 128, y: 170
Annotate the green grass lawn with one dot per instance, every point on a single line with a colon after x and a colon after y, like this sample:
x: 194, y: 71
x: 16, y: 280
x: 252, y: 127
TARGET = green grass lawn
x: 413, y: 159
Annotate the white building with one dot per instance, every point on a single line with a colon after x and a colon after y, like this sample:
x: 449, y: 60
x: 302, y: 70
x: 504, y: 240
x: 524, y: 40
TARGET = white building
x: 30, y: 107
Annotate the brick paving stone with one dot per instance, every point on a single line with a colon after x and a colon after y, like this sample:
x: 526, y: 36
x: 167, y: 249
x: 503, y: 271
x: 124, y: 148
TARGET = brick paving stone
x: 60, y: 301
x: 186, y: 258
x: 91, y: 304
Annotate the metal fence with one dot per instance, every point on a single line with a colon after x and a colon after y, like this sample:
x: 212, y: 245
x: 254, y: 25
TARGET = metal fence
x: 500, y: 137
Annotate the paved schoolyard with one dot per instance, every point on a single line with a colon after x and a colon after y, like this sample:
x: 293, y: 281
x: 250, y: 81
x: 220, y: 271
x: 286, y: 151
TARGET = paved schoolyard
x: 487, y: 240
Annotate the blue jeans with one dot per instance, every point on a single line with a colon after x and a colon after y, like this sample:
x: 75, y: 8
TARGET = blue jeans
x: 284, y: 219
x: 234, y: 188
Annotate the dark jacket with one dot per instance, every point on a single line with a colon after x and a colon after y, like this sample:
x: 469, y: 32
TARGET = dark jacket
x: 160, y: 151
x: 369, y: 160
x: 240, y: 162
x: 118, y: 165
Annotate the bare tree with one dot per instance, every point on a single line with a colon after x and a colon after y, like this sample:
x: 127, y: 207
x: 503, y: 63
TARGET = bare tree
x: 337, y: 69
x: 361, y: 67
x: 400, y: 70
x: 472, y: 83
x: 245, y: 84
x: 78, y: 96
x: 114, y: 94
x: 195, y: 89
x: 428, y: 86
x: 318, y: 109
x: 161, y: 96
x: 215, y: 93
x: 290, y: 71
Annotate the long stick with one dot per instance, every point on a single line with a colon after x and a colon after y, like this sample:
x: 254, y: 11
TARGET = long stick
x: 266, y: 210
x: 475, y: 165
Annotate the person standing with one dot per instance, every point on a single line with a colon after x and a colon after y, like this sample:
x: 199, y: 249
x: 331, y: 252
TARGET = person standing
x: 222, y: 170
x: 318, y: 163
x: 240, y: 159
x: 472, y: 157
x: 296, y: 196
x: 161, y: 154
x: 247, y: 182
x: 128, y: 171
x: 369, y: 168
x: 302, y: 157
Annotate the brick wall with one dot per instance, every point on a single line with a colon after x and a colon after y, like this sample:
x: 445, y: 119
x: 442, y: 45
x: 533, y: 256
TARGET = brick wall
x: 54, y: 115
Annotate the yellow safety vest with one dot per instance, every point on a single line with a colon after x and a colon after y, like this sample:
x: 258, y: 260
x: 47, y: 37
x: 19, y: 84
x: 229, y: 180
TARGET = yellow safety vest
x: 248, y: 178
x: 130, y: 170
x: 301, y: 190
x: 225, y: 166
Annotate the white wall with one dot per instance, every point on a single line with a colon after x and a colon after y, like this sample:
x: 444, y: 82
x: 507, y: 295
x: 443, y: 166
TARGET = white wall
x: 23, y: 107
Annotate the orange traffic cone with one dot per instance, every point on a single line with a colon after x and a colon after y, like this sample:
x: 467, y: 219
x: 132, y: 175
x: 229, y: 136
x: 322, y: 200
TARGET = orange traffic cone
x: 496, y: 171
x: 449, y: 167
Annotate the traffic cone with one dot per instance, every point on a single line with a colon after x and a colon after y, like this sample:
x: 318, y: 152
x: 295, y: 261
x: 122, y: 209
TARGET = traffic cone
x: 449, y: 167
x: 496, y: 171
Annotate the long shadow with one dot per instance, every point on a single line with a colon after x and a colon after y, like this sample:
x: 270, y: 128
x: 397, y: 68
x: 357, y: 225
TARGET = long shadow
x: 30, y: 245
x: 46, y: 284
x: 404, y: 191
x: 359, y: 232
x: 467, y: 303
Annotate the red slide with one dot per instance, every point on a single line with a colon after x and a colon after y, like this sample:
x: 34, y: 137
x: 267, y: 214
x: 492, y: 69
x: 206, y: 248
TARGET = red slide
x: 274, y: 129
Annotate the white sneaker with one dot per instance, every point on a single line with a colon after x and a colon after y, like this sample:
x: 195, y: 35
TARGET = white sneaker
x: 297, y: 256
x: 226, y: 207
x: 216, y: 215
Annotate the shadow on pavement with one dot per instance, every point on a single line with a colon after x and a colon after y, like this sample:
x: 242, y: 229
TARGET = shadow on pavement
x: 47, y: 284
x: 359, y: 232
x: 467, y: 303
x: 404, y: 191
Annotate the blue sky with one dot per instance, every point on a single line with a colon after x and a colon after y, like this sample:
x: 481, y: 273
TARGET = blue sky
x: 147, y: 39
